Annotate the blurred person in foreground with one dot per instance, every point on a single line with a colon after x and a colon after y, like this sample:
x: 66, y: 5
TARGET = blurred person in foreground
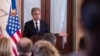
x: 25, y: 47
x: 82, y: 47
x: 90, y: 23
x: 44, y: 48
x: 5, y: 47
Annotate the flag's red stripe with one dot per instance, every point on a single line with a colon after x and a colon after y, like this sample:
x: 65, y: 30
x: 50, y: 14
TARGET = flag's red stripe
x: 14, y: 51
x: 19, y: 34
x: 14, y: 39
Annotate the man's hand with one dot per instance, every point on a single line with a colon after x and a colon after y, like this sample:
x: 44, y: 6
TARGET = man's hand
x: 64, y: 34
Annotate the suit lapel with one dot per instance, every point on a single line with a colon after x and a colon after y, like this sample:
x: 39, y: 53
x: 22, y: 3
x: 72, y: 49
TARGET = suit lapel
x: 32, y: 23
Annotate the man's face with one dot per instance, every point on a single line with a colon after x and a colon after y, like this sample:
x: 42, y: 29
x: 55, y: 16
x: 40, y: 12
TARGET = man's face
x: 36, y: 15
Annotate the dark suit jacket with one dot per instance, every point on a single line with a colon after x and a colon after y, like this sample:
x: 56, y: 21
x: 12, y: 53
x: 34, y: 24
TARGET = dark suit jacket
x: 29, y: 29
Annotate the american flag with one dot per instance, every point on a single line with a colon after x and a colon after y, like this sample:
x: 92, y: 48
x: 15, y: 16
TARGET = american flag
x: 13, y: 26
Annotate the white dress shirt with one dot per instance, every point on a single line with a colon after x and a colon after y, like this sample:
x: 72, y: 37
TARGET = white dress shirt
x: 38, y: 24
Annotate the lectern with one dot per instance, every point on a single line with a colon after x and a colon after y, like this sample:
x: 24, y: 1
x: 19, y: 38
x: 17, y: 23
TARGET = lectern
x: 58, y: 45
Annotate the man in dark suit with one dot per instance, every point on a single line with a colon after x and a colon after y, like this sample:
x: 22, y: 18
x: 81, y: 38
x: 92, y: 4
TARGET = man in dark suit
x: 36, y: 26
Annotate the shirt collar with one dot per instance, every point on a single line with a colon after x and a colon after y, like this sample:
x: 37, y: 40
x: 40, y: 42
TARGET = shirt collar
x: 36, y: 21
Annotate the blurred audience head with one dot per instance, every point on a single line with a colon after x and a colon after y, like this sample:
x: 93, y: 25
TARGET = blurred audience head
x: 49, y: 37
x: 44, y: 48
x: 25, y: 47
x: 82, y: 44
x: 82, y: 47
x: 5, y: 47
x: 90, y: 20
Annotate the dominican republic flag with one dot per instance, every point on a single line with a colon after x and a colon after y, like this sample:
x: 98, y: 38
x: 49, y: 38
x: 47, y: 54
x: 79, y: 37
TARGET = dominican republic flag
x: 13, y: 26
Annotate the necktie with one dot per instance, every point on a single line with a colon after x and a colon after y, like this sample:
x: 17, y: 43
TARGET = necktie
x: 36, y: 27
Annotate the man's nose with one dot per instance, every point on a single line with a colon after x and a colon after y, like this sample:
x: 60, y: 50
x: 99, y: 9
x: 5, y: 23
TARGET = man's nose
x: 37, y: 15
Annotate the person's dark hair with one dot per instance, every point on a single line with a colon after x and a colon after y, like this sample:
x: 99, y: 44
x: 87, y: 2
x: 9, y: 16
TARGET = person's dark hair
x: 90, y: 11
x: 82, y: 44
x: 23, y: 55
x: 90, y: 18
x: 49, y: 37
x: 34, y: 9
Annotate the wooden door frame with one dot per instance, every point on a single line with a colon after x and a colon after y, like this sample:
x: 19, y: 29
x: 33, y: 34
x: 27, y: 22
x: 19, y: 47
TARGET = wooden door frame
x: 45, y: 11
x: 70, y: 24
x: 22, y: 15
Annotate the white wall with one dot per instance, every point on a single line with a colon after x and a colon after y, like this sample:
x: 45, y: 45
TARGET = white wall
x: 4, y: 8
